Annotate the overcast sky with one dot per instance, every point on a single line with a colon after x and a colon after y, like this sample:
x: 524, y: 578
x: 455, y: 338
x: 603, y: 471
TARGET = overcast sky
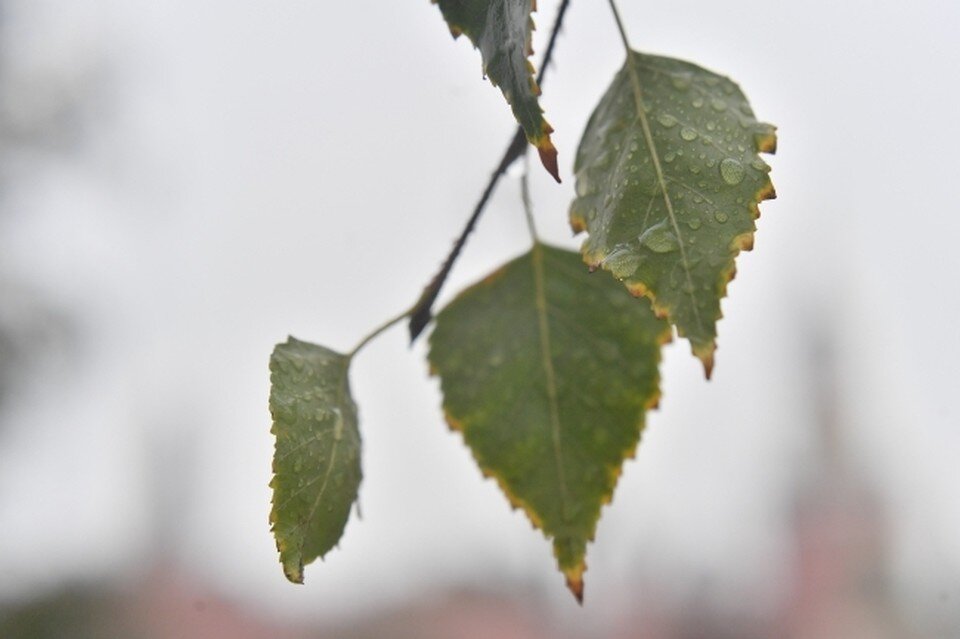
x: 252, y: 170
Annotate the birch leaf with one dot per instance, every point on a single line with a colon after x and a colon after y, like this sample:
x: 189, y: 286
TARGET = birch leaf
x: 316, y: 463
x: 547, y: 372
x: 668, y: 182
x: 502, y: 30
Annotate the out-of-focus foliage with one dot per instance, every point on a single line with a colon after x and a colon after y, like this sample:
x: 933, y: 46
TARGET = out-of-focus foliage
x: 502, y: 30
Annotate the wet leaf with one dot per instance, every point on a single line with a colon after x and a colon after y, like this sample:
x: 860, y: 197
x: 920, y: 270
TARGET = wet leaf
x: 668, y: 192
x: 502, y: 30
x: 547, y: 372
x: 316, y: 462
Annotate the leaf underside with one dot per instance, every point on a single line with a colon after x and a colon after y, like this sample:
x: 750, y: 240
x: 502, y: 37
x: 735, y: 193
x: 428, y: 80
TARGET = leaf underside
x: 547, y: 372
x: 669, y: 192
x: 316, y: 462
x: 502, y: 30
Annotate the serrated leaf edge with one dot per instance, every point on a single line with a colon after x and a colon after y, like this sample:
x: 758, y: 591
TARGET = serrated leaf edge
x: 292, y: 559
x: 540, y: 140
x: 765, y: 142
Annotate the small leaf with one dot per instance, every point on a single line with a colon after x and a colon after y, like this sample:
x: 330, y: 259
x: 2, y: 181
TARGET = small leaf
x: 547, y: 372
x: 316, y: 463
x: 669, y: 192
x: 502, y: 30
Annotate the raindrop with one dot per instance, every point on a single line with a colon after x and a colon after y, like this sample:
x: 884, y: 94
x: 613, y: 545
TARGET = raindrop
x: 694, y: 224
x: 697, y: 103
x: 688, y: 134
x: 659, y: 238
x: 667, y: 120
x: 720, y: 216
x: 731, y: 171
x: 718, y: 105
x: 622, y: 262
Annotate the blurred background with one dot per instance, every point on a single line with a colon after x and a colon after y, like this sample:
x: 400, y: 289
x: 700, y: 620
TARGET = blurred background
x: 183, y: 184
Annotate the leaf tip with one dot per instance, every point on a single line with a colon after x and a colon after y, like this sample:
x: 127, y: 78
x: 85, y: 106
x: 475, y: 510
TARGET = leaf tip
x: 548, y: 157
x: 706, y: 355
x: 575, y: 582
x: 293, y: 569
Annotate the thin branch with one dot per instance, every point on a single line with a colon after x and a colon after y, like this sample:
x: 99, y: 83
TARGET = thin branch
x: 422, y: 312
x: 551, y: 43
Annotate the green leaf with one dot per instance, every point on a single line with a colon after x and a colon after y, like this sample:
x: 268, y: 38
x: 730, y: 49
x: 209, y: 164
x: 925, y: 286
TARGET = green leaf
x: 547, y: 372
x: 502, y: 30
x: 669, y: 192
x: 316, y: 463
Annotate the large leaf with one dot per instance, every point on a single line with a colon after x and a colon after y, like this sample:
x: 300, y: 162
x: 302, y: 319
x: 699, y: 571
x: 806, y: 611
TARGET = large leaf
x: 502, y: 30
x: 547, y: 371
x: 669, y: 192
x: 316, y: 463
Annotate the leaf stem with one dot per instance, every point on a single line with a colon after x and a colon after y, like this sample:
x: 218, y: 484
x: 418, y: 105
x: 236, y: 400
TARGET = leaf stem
x: 422, y: 311
x: 372, y: 335
x: 623, y: 32
x: 634, y: 73
x: 525, y: 198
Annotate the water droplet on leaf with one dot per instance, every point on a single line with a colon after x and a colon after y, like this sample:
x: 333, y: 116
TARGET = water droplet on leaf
x: 622, y: 262
x: 667, y: 120
x: 731, y: 171
x: 659, y: 238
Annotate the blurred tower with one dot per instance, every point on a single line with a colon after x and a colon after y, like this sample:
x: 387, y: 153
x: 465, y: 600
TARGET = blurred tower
x: 840, y: 585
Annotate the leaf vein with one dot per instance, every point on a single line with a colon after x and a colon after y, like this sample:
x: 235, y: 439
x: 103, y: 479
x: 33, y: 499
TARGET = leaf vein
x: 551, y: 379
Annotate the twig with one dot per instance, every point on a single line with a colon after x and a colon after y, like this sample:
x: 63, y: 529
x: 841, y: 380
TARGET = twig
x: 422, y: 311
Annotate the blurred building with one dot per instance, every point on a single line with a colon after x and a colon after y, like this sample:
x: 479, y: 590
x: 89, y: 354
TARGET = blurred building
x: 839, y: 586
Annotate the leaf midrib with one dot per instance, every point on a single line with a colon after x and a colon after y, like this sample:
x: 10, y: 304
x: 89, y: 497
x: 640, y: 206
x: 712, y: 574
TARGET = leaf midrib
x: 637, y: 91
x: 546, y: 357
x: 342, y: 394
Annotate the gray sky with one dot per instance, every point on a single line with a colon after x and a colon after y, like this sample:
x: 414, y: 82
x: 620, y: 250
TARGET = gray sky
x: 261, y: 169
